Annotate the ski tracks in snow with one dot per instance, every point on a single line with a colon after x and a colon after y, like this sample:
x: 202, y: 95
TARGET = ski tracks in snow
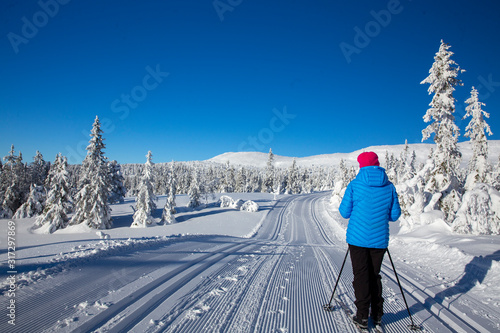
x: 276, y: 281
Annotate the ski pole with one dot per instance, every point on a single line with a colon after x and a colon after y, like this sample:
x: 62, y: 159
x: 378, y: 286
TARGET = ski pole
x: 412, y: 326
x: 329, y: 307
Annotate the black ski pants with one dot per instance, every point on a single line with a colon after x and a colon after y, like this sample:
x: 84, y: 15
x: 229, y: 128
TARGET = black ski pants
x: 366, y: 263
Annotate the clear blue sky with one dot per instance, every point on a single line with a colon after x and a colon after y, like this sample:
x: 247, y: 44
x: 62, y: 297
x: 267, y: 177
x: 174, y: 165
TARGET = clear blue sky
x: 189, y: 80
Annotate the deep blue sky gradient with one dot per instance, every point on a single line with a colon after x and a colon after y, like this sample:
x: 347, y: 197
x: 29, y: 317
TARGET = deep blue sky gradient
x: 260, y: 74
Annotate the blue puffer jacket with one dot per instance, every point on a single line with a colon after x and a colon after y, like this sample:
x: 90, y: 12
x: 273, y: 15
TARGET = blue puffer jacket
x: 370, y: 201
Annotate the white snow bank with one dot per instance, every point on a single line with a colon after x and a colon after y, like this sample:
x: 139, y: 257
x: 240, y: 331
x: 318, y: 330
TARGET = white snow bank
x: 228, y: 202
x: 250, y: 206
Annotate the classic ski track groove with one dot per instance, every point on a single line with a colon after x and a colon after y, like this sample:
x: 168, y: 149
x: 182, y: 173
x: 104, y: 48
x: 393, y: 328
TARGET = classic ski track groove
x: 235, y: 304
x: 268, y: 283
x: 133, y: 318
x: 446, y: 312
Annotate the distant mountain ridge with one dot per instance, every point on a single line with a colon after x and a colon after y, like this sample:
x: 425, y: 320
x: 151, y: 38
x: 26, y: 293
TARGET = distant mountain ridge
x: 258, y: 159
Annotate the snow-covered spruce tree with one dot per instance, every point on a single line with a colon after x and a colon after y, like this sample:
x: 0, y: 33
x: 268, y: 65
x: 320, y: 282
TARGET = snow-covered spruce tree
x: 241, y: 181
x: 392, y: 167
x: 495, y: 178
x: 39, y: 169
x: 146, y: 199
x: 476, y: 130
x: 91, y: 201
x: 172, y: 187
x: 407, y: 168
x: 411, y: 167
x: 11, y: 184
x: 58, y: 201
x: 443, y: 179
x: 306, y: 181
x: 293, y: 181
x: 228, y: 180
x: 167, y: 216
x: 194, y: 191
x: 478, y: 213
x: 34, y: 205
x: 279, y: 181
x: 255, y: 183
x: 10, y: 201
x: 117, y: 190
x: 269, y: 176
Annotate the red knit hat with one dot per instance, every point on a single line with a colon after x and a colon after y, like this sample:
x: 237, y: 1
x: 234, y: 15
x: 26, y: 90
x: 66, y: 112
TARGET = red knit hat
x: 368, y: 159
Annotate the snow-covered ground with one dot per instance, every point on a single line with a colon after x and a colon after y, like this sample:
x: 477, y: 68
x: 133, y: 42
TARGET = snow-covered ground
x: 219, y: 269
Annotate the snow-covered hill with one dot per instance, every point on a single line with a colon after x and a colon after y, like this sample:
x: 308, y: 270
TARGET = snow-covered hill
x: 422, y: 150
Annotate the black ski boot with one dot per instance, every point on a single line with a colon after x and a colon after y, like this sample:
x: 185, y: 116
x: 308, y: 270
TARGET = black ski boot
x: 360, y: 322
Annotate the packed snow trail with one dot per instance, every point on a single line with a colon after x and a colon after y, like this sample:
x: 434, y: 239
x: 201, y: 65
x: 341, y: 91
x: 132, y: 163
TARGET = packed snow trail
x: 276, y: 281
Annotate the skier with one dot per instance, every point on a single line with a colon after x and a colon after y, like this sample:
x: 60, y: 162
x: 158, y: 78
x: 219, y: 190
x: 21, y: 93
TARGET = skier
x: 370, y: 202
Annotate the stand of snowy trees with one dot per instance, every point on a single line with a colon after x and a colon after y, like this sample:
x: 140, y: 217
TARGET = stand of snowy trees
x: 58, y: 194
x: 202, y: 179
x: 466, y: 199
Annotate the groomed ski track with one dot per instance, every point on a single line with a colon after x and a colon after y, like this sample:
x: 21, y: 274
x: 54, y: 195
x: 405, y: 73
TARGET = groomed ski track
x: 276, y: 281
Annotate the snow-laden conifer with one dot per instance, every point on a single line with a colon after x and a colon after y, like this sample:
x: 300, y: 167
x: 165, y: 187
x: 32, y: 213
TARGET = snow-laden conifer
x: 34, y: 205
x: 172, y: 187
x: 241, y: 181
x: 443, y: 80
x: 478, y: 213
x: 167, y: 216
x: 495, y: 177
x: 269, y: 176
x: 146, y: 199
x: 117, y: 190
x: 39, y: 169
x: 307, y: 182
x: 407, y: 168
x: 228, y: 180
x: 58, y: 201
x: 194, y: 191
x: 91, y: 202
x: 293, y: 181
x: 476, y: 130
x: 10, y: 200
x: 254, y: 182
x: 446, y: 157
x: 11, y: 184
